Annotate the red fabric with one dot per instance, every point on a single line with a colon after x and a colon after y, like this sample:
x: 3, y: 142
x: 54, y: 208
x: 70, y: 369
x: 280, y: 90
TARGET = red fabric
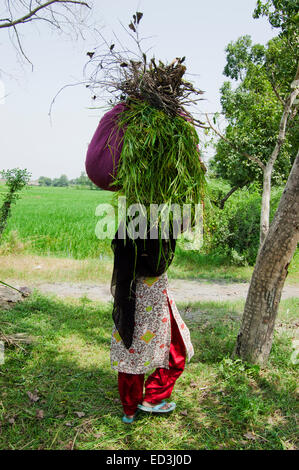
x: 160, y: 383
x: 130, y: 388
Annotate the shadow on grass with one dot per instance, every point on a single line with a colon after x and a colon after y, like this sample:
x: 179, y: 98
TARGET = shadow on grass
x: 51, y: 316
x: 246, y: 407
x: 75, y: 403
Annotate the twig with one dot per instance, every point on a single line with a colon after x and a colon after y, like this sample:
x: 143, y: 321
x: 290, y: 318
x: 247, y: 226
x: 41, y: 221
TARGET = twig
x: 21, y: 47
x: 58, y: 93
x: 275, y: 91
x: 11, y: 287
x: 28, y: 17
x: 129, y: 75
x: 72, y: 448
x: 222, y: 201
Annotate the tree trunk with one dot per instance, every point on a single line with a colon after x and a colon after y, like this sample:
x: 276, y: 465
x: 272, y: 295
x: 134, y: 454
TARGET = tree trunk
x: 265, y: 209
x: 255, y: 337
x: 4, y: 214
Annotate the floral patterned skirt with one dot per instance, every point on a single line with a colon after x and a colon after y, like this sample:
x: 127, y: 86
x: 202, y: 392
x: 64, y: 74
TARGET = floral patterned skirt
x: 152, y: 331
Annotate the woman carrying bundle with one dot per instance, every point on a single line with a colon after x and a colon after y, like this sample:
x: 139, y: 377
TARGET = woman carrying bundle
x: 149, y: 332
x: 152, y: 157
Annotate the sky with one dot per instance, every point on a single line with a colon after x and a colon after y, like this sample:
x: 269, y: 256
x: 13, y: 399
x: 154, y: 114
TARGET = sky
x: 197, y: 29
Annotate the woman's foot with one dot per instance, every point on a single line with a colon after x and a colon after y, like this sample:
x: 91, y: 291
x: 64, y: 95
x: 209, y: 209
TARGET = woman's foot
x: 166, y: 405
x: 128, y: 418
x: 162, y: 407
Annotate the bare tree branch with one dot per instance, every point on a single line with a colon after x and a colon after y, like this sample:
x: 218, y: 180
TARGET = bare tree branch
x: 58, y: 93
x: 222, y: 201
x: 8, y: 23
x: 65, y: 17
x: 20, y: 46
x: 284, y: 118
x: 275, y: 90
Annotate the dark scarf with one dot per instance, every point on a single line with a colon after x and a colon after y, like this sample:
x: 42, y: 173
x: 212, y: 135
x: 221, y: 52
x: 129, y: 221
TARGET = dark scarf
x: 132, y: 259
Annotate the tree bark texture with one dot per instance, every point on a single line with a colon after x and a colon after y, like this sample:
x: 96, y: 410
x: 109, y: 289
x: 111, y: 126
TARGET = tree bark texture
x: 256, y: 333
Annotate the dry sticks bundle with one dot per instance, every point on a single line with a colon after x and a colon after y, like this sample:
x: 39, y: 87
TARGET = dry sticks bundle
x: 126, y: 74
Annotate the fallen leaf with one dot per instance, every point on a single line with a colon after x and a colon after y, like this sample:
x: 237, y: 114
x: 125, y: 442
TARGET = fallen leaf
x: 69, y: 446
x: 80, y: 414
x: 184, y: 413
x: 250, y: 435
x: 33, y: 397
x: 11, y: 420
x: 68, y: 424
x: 39, y: 414
x: 25, y: 291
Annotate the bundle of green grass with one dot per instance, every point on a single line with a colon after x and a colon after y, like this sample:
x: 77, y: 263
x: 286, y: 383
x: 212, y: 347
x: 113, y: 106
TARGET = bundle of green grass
x: 160, y: 161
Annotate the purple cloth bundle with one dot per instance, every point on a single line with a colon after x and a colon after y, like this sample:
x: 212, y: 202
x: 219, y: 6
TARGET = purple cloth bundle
x: 104, y: 150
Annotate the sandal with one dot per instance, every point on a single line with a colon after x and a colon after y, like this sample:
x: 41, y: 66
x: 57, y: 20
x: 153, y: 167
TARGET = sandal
x: 158, y: 408
x: 127, y: 420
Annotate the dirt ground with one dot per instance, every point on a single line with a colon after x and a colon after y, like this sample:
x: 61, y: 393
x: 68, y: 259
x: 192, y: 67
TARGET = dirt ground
x: 182, y: 290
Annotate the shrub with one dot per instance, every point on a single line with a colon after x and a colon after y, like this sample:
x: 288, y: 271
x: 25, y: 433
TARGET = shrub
x: 234, y: 230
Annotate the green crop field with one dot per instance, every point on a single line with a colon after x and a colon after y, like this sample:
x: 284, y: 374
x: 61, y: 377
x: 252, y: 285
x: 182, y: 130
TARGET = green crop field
x: 59, y: 221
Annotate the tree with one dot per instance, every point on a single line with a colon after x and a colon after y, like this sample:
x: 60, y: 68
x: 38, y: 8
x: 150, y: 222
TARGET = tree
x: 61, y: 182
x: 16, y: 180
x: 261, y: 138
x: 256, y: 333
x: 255, y: 336
x: 44, y: 181
x: 282, y: 14
x: 62, y: 15
x: 83, y: 179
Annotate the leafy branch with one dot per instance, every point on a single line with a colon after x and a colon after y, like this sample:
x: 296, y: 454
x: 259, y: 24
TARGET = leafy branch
x: 16, y: 180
